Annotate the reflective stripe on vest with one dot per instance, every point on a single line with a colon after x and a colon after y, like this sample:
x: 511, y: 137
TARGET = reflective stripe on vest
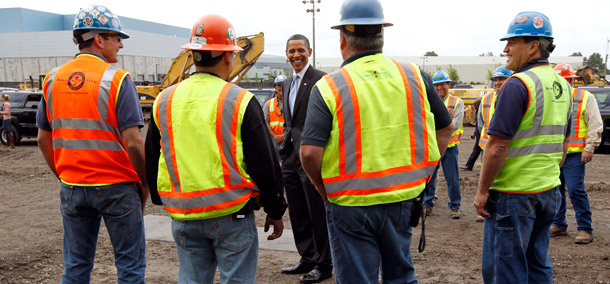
x: 186, y: 198
x: 532, y: 165
x: 81, y: 100
x: 456, y: 137
x: 276, y: 120
x: 487, y: 109
x: 351, y: 173
x: 578, y: 135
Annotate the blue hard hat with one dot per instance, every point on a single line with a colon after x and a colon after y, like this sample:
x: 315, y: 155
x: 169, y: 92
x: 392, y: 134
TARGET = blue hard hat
x: 529, y: 24
x: 502, y: 71
x: 279, y: 79
x: 440, y: 77
x: 97, y: 17
x: 362, y: 12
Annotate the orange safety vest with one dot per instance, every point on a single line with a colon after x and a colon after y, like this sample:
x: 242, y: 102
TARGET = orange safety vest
x: 276, y: 119
x: 578, y: 137
x: 81, y: 100
x: 487, y: 109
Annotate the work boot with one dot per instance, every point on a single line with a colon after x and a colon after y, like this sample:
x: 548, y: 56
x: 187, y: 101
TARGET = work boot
x: 11, y: 141
x: 466, y: 168
x: 480, y: 218
x: 428, y: 211
x: 556, y: 231
x: 455, y: 214
x: 583, y: 238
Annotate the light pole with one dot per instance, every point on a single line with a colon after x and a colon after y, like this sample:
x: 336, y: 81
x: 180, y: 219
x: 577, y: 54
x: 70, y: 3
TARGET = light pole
x: 313, y: 11
x: 606, y: 63
x: 424, y: 59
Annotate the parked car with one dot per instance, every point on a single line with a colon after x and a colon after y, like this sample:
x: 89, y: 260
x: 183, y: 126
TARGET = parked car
x: 24, y: 105
x: 602, y: 95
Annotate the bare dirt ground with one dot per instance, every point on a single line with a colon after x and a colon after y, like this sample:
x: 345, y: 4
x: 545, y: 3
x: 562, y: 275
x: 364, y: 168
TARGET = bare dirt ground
x: 31, y: 232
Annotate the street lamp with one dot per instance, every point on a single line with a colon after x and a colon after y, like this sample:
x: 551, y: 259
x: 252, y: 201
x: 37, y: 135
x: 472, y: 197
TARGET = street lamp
x: 424, y: 59
x: 313, y: 11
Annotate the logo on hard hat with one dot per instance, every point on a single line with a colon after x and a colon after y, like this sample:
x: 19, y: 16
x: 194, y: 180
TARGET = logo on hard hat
x: 88, y: 22
x: 115, y: 23
x: 81, y: 15
x: 199, y: 30
x: 231, y: 34
x: 95, y: 13
x: 76, y: 80
x: 522, y: 19
x: 103, y: 20
x: 102, y: 9
x: 538, y: 22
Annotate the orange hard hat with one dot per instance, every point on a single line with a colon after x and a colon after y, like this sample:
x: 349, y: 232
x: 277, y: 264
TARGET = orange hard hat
x: 565, y: 70
x: 213, y: 33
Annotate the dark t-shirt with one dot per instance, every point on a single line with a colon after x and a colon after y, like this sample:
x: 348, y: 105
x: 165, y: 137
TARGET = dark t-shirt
x: 319, y: 119
x: 512, y: 103
x: 128, y: 109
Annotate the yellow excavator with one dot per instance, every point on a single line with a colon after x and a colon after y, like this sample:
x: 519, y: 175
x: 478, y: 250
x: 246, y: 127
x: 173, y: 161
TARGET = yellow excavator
x: 589, y: 77
x: 253, y: 46
x: 469, y: 96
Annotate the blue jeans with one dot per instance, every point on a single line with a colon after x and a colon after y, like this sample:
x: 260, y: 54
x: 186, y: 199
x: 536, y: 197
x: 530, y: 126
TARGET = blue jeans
x: 573, y: 176
x: 449, y: 162
x: 226, y: 242
x: 82, y: 209
x: 516, y: 237
x: 367, y: 238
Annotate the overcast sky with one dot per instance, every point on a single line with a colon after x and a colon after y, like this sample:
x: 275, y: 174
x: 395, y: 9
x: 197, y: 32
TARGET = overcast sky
x: 448, y: 27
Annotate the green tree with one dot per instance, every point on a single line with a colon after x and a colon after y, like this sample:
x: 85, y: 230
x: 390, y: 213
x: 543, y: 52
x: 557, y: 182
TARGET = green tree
x: 596, y: 61
x: 576, y: 54
x: 490, y: 74
x: 453, y: 74
x: 430, y: 53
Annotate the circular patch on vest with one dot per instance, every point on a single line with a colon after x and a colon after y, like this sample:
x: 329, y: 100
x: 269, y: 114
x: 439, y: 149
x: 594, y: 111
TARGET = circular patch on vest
x: 557, y: 89
x: 76, y: 80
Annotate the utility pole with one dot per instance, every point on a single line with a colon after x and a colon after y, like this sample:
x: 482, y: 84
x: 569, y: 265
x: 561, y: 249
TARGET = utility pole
x: 313, y: 11
x: 606, y: 62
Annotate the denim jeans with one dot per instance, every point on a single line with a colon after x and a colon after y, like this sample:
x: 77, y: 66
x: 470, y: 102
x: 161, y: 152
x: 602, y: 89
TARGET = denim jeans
x: 366, y: 238
x: 226, y: 242
x: 449, y: 162
x: 516, y: 237
x: 573, y: 176
x: 82, y: 208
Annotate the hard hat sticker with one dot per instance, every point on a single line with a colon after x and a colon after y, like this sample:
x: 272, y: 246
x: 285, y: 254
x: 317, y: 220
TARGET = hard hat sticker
x: 108, y: 15
x: 87, y: 22
x: 231, y: 34
x: 95, y: 13
x: 103, y: 19
x: 200, y: 40
x: 199, y: 30
x: 538, y: 22
x: 81, y: 15
x: 102, y: 9
x: 195, y: 45
x: 522, y: 19
x: 115, y: 23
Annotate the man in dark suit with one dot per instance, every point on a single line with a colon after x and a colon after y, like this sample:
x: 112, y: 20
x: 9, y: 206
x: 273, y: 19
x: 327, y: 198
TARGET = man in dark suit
x: 305, y: 205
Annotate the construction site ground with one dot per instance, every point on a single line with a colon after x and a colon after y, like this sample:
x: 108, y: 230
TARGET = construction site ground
x: 31, y: 232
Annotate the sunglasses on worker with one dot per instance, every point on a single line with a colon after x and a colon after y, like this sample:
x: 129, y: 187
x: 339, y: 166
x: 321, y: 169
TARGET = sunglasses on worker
x: 117, y: 36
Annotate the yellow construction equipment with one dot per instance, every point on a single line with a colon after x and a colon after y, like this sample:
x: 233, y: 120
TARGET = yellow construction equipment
x: 589, y: 77
x: 253, y: 46
x: 469, y: 96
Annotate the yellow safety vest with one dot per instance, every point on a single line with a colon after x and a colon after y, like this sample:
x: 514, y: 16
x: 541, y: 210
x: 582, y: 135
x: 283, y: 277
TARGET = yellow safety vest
x: 382, y: 147
x: 532, y: 164
x: 456, y: 137
x: 201, y: 168
x: 488, y: 106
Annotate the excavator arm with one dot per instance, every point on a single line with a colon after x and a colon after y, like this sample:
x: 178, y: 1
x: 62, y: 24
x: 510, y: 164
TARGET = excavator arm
x: 253, y: 46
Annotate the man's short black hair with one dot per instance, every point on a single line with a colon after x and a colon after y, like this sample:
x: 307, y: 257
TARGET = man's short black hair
x: 298, y: 37
x: 203, y: 58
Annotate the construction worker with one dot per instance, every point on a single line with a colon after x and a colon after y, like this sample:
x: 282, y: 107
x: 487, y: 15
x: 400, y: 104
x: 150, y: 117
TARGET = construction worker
x: 528, y: 137
x: 487, y: 107
x: 210, y: 162
x: 449, y: 160
x: 7, y: 125
x: 365, y: 158
x: 305, y: 206
x: 89, y: 120
x: 273, y: 111
x: 587, y: 127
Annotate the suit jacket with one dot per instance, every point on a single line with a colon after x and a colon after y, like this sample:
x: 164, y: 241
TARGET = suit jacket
x: 294, y: 122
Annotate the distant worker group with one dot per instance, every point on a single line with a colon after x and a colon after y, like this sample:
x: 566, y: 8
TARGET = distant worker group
x: 353, y: 155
